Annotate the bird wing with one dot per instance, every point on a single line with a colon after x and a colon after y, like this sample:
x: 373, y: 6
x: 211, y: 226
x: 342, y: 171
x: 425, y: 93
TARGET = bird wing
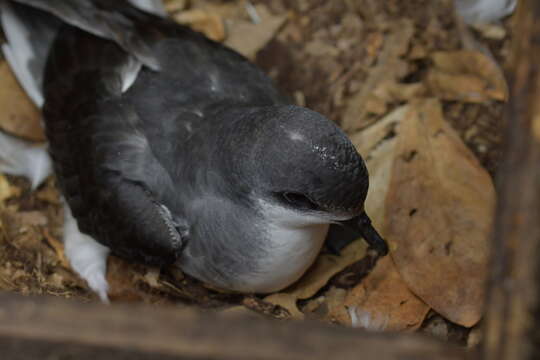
x: 109, y: 175
x: 113, y: 166
x: 113, y: 20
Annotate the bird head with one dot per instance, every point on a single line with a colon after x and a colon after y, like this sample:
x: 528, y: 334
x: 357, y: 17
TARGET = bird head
x: 298, y: 161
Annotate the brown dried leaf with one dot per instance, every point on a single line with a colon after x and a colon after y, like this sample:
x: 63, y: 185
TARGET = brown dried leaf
x: 58, y: 248
x: 438, y: 215
x: 319, y: 47
x: 377, y: 143
x: 19, y: 115
x: 390, y: 67
x: 466, y: 75
x: 248, y: 38
x: 382, y: 301
x: 491, y: 31
x: 391, y: 91
x: 210, y: 24
x: 7, y: 190
x: 174, y: 6
x: 375, y: 105
x: 334, y: 302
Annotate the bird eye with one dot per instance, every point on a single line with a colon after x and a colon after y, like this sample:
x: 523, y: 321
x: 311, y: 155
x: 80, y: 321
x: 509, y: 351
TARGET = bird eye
x: 299, y: 201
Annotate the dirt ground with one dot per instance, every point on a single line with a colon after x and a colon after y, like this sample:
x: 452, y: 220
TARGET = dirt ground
x: 323, y: 56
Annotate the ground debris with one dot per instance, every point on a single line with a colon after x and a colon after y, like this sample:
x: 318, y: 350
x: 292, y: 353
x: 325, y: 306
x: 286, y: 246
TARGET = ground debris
x: 398, y: 77
x: 467, y: 76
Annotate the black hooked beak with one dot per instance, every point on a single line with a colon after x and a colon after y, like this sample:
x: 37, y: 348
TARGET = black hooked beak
x: 362, y: 224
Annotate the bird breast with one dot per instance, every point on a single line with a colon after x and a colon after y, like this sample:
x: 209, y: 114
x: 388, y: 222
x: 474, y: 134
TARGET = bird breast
x: 292, y: 242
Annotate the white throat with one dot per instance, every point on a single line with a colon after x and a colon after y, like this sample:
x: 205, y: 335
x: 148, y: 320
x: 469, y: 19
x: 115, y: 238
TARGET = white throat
x: 293, y: 241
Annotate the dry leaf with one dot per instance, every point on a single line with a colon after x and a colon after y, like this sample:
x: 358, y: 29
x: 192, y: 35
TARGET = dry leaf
x: 248, y: 38
x: 373, y: 44
x: 210, y: 24
x: 376, y: 144
x: 382, y: 301
x: 491, y: 31
x: 174, y: 6
x: 58, y: 248
x: 319, y: 47
x: 438, y: 215
x: 466, y: 75
x: 7, y: 190
x: 334, y: 302
x: 390, y: 67
x: 375, y: 105
x: 391, y: 91
x: 19, y: 115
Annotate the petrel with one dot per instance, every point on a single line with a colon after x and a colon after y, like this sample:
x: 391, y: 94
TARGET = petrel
x: 173, y: 150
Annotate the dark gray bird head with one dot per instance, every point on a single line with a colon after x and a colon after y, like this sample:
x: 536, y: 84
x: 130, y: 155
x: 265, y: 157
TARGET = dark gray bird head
x: 296, y: 160
x: 304, y: 161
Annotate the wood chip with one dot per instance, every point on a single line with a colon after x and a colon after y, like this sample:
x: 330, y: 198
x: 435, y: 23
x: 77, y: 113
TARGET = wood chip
x: 210, y: 24
x: 259, y: 34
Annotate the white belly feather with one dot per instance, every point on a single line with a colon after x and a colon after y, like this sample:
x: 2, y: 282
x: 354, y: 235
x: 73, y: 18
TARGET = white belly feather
x: 293, y: 242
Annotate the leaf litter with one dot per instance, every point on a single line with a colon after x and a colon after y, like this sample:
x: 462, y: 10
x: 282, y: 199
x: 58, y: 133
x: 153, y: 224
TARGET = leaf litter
x: 399, y: 79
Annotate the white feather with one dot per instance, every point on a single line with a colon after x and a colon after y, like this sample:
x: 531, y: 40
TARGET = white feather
x: 22, y: 158
x: 18, y: 52
x: 130, y: 71
x: 373, y: 321
x: 294, y: 240
x: 87, y: 257
x: 484, y: 11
